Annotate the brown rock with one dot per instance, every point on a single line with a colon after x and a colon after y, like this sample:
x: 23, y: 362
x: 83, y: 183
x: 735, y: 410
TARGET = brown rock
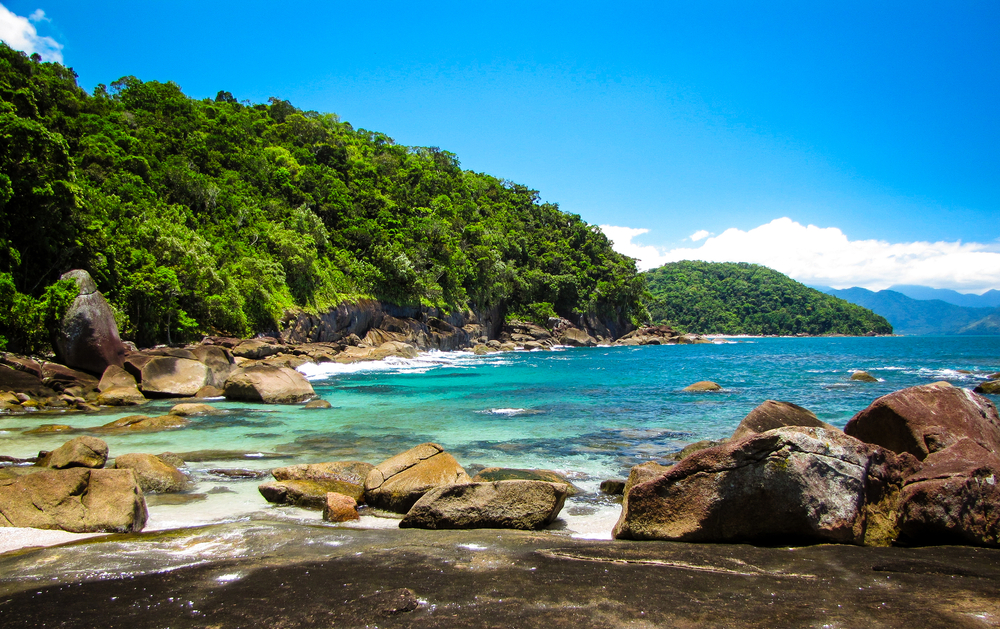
x: 954, y: 497
x: 23, y: 382
x: 61, y: 377
x: 924, y: 419
x: 115, y: 377
x: 256, y: 349
x: 272, y: 385
x: 308, y: 494
x: 990, y: 387
x: 169, y: 376
x: 575, y: 337
x: 46, y: 429
x: 318, y: 404
x: 340, y: 508
x: 398, y: 482
x: 613, y: 487
x: 88, y: 336
x: 79, y: 500
x: 143, y: 423
x: 772, y: 414
x: 209, y: 392
x: 184, y: 410
x: 788, y: 485
x: 691, y: 448
x: 704, y: 385
x: 863, y: 376
x: 122, y: 396
x: 345, y: 477
x: 504, y: 504
x: 218, y: 361
x: 491, y: 474
x: 152, y: 473
x: 80, y: 452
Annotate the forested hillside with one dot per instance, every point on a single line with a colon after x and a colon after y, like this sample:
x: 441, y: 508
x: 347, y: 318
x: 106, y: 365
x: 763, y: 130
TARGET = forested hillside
x: 216, y: 215
x: 741, y: 298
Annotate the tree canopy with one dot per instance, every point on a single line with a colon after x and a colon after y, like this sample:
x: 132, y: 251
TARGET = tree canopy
x: 215, y: 215
x: 741, y: 298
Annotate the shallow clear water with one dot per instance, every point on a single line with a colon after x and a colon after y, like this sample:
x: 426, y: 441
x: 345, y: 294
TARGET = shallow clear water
x: 591, y: 413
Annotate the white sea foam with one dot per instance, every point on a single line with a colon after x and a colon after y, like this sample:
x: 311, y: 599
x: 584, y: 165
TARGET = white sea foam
x: 509, y: 412
x: 421, y: 364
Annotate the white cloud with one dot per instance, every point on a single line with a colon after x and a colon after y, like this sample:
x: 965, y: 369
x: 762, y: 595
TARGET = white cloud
x: 19, y: 33
x: 700, y: 234
x: 825, y: 256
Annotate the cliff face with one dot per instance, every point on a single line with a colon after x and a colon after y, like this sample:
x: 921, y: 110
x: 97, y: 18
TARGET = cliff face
x: 371, y: 323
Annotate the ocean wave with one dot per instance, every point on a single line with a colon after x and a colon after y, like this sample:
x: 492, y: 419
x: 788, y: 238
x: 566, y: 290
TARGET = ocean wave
x: 421, y: 364
x: 509, y: 412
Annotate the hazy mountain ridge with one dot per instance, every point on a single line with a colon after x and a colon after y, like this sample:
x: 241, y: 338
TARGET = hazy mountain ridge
x: 923, y: 317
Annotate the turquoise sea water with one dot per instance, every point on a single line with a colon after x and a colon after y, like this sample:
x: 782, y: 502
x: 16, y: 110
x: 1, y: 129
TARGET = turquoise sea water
x: 589, y: 412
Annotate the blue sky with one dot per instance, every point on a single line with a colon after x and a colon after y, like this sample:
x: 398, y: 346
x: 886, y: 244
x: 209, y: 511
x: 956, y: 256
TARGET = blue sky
x: 848, y: 143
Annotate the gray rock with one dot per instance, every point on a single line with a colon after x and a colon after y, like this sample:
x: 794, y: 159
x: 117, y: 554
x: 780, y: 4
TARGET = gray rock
x: 88, y: 336
x: 504, y: 504
x: 788, y: 485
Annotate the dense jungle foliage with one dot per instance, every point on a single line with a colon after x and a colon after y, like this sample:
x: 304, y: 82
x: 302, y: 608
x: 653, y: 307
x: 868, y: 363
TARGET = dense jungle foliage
x: 741, y: 298
x: 216, y: 215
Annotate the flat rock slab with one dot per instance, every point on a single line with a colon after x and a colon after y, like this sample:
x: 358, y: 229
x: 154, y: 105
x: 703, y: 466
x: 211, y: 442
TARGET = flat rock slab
x: 269, y: 574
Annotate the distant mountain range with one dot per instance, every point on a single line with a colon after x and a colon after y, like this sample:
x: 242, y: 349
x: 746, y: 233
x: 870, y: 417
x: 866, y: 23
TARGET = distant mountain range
x: 924, y: 311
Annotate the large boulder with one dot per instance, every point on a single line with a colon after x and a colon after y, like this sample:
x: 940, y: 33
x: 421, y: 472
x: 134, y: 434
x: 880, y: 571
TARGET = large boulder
x: 503, y: 504
x: 272, y: 385
x: 152, y: 473
x: 170, y: 376
x: 924, y: 419
x: 79, y: 500
x: 80, y: 452
x: 218, y: 362
x: 398, y: 482
x: 954, y: 497
x: 773, y: 414
x: 788, y: 485
x: 87, y: 338
x: 12, y: 379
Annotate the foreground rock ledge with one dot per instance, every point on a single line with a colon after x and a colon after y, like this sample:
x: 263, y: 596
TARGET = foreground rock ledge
x: 270, y: 574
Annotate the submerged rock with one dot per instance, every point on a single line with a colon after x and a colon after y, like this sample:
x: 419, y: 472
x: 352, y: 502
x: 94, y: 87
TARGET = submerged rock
x: 788, y: 485
x: 144, y: 423
x: 80, y: 500
x: 704, y: 385
x: 504, y: 504
x: 184, y: 410
x: 313, y: 404
x: 398, y: 482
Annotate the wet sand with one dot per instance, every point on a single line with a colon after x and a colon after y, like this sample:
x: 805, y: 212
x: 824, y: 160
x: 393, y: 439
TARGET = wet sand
x: 264, y: 573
